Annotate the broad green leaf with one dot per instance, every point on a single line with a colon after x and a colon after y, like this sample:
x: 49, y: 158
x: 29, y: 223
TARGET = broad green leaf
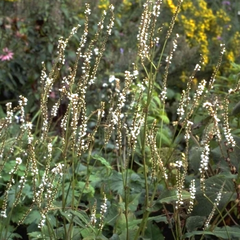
x: 37, y: 236
x: 102, y: 160
x: 87, y: 234
x: 233, y: 156
x: 194, y: 223
x: 212, y: 188
x: 195, y: 158
x: 85, y: 189
x: 17, y: 213
x: 170, y: 196
x: 50, y: 48
x: 223, y: 233
x: 116, y: 182
x: 131, y: 232
x: 159, y: 218
x: 81, y: 170
x: 114, y: 237
x: 165, y: 119
x: 132, y: 222
x: 33, y: 217
x: 133, y: 202
x: 164, y: 136
x: 80, y: 218
x: 153, y: 232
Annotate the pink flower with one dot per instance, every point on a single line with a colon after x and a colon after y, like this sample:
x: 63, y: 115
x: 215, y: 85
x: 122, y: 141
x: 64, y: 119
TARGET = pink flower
x: 8, y: 55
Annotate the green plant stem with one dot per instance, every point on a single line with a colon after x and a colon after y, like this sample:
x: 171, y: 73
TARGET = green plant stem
x: 50, y: 229
x: 142, y: 226
x: 126, y: 200
x: 178, y: 225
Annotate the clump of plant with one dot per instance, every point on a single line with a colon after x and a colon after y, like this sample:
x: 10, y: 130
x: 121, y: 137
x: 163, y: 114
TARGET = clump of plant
x: 78, y: 171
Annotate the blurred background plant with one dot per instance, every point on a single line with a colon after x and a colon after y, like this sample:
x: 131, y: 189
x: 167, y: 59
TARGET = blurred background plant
x: 29, y: 28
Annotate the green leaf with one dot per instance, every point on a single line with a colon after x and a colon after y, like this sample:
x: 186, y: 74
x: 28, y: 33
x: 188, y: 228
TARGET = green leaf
x: 159, y: 218
x: 33, y: 217
x: 132, y: 221
x: 194, y: 222
x: 114, y: 237
x: 153, y: 232
x: 212, y: 188
x: 102, y: 160
x: 85, y: 189
x: 133, y: 202
x: 164, y: 136
x: 233, y: 156
x: 2, y: 114
x: 195, y: 158
x: 65, y: 10
x: 116, y: 182
x: 223, y: 233
x: 37, y: 236
x: 17, y: 213
x: 50, y: 48
x: 170, y: 196
x: 80, y: 218
x: 88, y: 234
x: 165, y: 118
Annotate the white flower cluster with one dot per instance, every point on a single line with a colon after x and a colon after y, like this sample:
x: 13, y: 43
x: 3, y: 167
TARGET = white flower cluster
x: 192, y: 190
x: 216, y: 203
x: 136, y: 127
x: 188, y: 130
x: 50, y: 150
x: 199, y: 91
x: 44, y: 127
x: 164, y: 94
x: 93, y: 218
x: 229, y: 137
x: 3, y: 213
x: 204, y: 158
x: 74, y: 29
x: 223, y: 48
x: 103, y: 211
x: 18, y: 160
x: 54, y: 109
x: 143, y: 34
x: 9, y: 112
x: 22, y: 102
x: 109, y: 27
x: 82, y: 42
x: 82, y: 133
x: 58, y: 170
x: 74, y: 99
x: 182, y: 105
x: 87, y: 10
x: 156, y: 8
x: 197, y: 67
x: 227, y: 132
x: 61, y: 46
x: 111, y: 24
x: 42, y: 221
x: 43, y: 74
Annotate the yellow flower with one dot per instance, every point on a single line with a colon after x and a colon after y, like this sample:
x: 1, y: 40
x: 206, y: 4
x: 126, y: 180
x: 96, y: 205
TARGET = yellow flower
x: 103, y: 4
x: 230, y: 56
x: 171, y: 5
x: 127, y: 5
x: 189, y: 26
